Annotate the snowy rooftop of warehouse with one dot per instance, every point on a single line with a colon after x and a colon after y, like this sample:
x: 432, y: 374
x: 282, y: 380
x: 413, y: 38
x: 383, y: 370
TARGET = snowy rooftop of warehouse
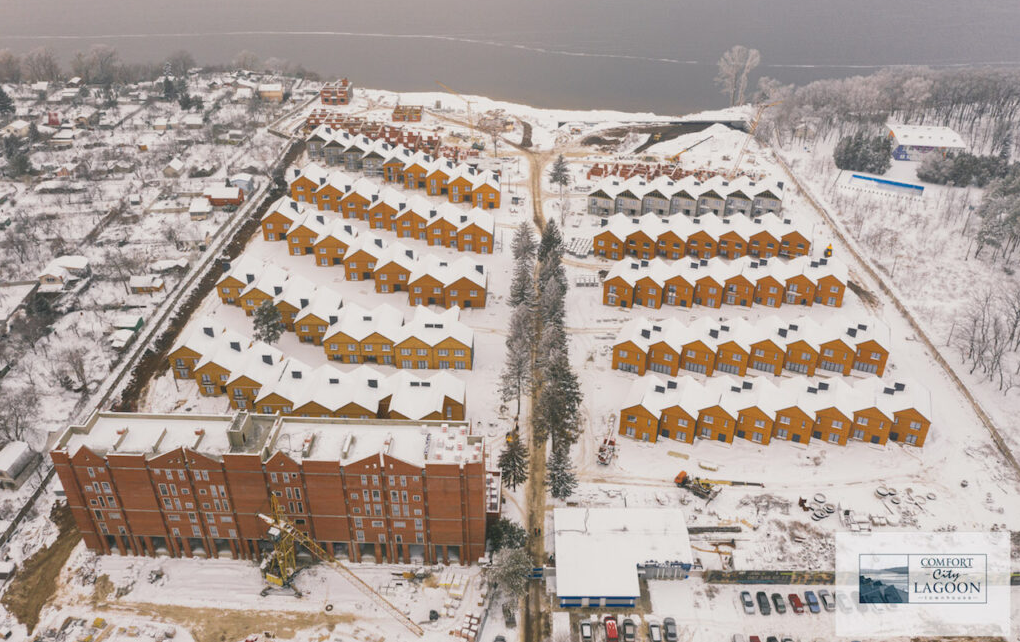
x: 300, y: 438
x: 598, y: 549
x: 926, y: 136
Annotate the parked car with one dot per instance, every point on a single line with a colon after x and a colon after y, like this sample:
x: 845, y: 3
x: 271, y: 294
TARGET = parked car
x: 629, y: 630
x: 787, y: 639
x: 795, y: 603
x: 586, y: 632
x: 777, y: 601
x: 747, y: 602
x: 812, y: 602
x: 827, y: 600
x: 763, y: 603
x: 843, y: 602
x: 612, y: 633
x: 654, y: 632
x: 739, y: 638
x: 755, y: 638
x: 499, y: 638
x: 771, y: 638
x: 669, y: 628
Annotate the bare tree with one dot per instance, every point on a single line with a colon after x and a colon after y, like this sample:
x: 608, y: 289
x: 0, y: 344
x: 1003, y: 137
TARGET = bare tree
x: 734, y: 68
x: 247, y: 60
x: 40, y: 64
x: 10, y: 66
x: 180, y: 62
x: 18, y: 409
x: 74, y: 360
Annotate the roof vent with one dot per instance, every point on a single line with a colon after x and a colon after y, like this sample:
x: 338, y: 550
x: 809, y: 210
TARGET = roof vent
x: 646, y: 334
x: 660, y: 389
x: 235, y: 346
x: 724, y: 328
x: 378, y: 242
x: 812, y: 390
x: 763, y: 261
x: 852, y: 332
x: 746, y: 385
x: 823, y: 261
x: 787, y: 221
x: 277, y: 289
x: 734, y: 388
x: 480, y: 268
x: 900, y: 387
x: 888, y: 391
x: 321, y: 219
x: 823, y: 385
x: 409, y: 254
x: 757, y: 220
x: 703, y: 262
x: 713, y: 333
x: 249, y: 277
x: 426, y: 384
x: 373, y: 383
x: 671, y: 385
x: 333, y: 319
x: 656, y: 328
x: 303, y: 302
x: 334, y: 380
x: 294, y: 206
x: 415, y: 384
x: 296, y: 374
x: 267, y: 359
x: 782, y: 332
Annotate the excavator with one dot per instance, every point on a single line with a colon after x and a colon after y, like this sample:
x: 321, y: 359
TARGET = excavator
x: 280, y: 566
x: 707, y: 489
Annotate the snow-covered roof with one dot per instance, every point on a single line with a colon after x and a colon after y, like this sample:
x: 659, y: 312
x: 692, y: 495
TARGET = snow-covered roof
x: 222, y: 192
x: 200, y: 206
x: 926, y: 136
x: 598, y: 549
x: 13, y: 458
x: 145, y: 281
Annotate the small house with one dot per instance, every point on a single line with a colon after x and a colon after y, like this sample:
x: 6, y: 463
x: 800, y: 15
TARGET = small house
x: 15, y: 459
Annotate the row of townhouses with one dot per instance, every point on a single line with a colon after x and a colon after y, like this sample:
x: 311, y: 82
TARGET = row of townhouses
x: 459, y: 182
x: 194, y: 485
x: 256, y: 376
x: 309, y: 231
x: 704, y: 237
x: 769, y: 345
x: 760, y: 410
x: 427, y: 280
x: 377, y: 130
x: 688, y: 196
x: 711, y: 282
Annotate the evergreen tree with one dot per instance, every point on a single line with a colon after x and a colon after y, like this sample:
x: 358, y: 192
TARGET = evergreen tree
x: 33, y: 133
x: 524, y: 242
x: 513, y: 461
x: 6, y: 104
x: 185, y: 101
x: 516, y: 374
x: 522, y: 287
x: 860, y: 153
x: 551, y: 244
x: 551, y: 301
x: 560, y: 473
x: 169, y: 89
x: 506, y: 533
x: 510, y: 570
x: 18, y: 165
x: 559, y: 175
x: 268, y: 323
x: 557, y: 408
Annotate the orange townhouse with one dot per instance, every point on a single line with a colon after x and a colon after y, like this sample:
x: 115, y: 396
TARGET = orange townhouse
x: 754, y: 425
x: 763, y: 244
x: 678, y: 291
x: 277, y: 221
x: 708, y: 291
x: 362, y: 256
x: 265, y: 288
x: 465, y: 284
x: 475, y: 233
x: 794, y: 424
x: 416, y: 170
x: 442, y: 228
x: 356, y: 202
x: 410, y: 222
x: 769, y: 291
x: 305, y: 181
x: 460, y: 187
x: 330, y: 195
x: 608, y: 244
x: 238, y: 277
x: 331, y: 246
x: 437, y: 178
x: 393, y: 268
x: 297, y: 293
x: 717, y: 424
x: 302, y: 236
x: 793, y: 244
x: 199, y: 339
x: 314, y: 319
x: 485, y: 191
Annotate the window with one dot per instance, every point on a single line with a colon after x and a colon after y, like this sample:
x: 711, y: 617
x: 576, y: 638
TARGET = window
x: 862, y: 421
x: 833, y: 438
x: 837, y: 424
x: 915, y: 425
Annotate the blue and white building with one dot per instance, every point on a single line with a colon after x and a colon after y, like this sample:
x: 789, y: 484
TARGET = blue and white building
x: 914, y: 142
x: 601, y: 553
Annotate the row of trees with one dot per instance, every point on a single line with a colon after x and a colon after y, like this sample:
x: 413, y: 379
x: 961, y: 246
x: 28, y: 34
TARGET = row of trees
x: 101, y: 65
x: 981, y: 104
x: 965, y: 169
x: 988, y: 336
x: 999, y: 212
x: 860, y: 153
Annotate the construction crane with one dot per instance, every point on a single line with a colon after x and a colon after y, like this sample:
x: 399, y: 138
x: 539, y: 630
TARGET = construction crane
x: 471, y: 118
x: 676, y: 157
x: 280, y: 566
x: 750, y: 134
x: 706, y: 488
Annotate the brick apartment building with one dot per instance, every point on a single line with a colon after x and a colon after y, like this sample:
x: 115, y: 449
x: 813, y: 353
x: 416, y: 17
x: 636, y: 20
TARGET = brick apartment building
x: 336, y: 93
x: 193, y: 485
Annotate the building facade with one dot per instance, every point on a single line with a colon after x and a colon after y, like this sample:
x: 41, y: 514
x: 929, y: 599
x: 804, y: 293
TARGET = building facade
x: 194, y: 485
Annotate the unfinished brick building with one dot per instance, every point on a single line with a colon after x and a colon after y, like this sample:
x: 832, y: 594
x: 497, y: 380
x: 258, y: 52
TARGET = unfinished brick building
x: 193, y: 485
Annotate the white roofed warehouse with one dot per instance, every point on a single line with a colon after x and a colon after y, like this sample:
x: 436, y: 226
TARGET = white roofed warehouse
x: 914, y: 142
x: 601, y: 553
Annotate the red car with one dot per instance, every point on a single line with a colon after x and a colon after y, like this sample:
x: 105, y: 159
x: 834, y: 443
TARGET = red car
x: 795, y: 603
x: 754, y: 638
x: 612, y: 633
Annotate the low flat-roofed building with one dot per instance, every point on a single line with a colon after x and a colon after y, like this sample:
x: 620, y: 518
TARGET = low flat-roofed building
x: 600, y: 552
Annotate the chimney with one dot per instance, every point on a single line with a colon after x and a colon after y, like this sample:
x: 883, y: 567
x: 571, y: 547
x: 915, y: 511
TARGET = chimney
x: 660, y: 389
x: 373, y: 383
x: 646, y: 334
x: 480, y: 268
x: 303, y: 302
x: 296, y: 374
x: 378, y: 242
x: 823, y: 385
x: 332, y: 319
x: 320, y: 219
x: 671, y: 385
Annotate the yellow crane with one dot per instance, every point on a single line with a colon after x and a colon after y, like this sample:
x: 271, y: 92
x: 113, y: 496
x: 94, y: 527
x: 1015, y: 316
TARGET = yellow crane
x: 470, y: 114
x: 280, y: 566
x: 750, y: 134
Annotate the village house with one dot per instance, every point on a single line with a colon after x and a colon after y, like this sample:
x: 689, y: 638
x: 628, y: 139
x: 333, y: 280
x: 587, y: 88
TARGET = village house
x: 224, y: 196
x: 63, y: 273
x: 315, y: 317
x: 279, y: 218
x: 145, y: 284
x: 333, y: 242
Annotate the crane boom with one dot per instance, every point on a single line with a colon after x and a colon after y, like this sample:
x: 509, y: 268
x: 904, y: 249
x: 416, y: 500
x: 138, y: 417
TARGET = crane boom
x: 288, y: 534
x: 471, y: 118
x: 750, y: 134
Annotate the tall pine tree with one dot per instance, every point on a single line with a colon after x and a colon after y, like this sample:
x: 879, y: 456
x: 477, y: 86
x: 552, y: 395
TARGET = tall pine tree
x: 524, y: 242
x: 513, y: 461
x: 560, y: 473
x: 6, y: 104
x: 516, y: 375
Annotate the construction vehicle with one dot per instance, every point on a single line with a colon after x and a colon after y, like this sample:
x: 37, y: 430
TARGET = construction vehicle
x: 750, y: 134
x: 676, y: 157
x: 707, y: 489
x: 607, y: 450
x: 470, y: 114
x: 828, y: 251
x: 280, y: 566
